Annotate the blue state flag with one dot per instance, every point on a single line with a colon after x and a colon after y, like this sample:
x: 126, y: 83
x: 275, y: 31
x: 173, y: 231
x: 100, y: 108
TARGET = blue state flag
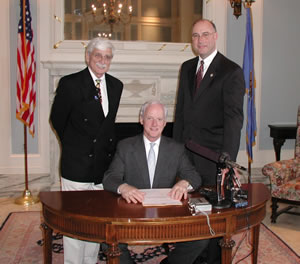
x: 248, y: 68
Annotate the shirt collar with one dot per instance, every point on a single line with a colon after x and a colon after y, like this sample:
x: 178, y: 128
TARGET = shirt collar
x: 95, y: 77
x: 207, y: 61
x: 147, y: 141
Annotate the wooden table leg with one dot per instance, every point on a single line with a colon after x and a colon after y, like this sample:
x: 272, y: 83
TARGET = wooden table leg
x: 47, y: 248
x: 226, y: 244
x: 277, y: 146
x: 255, y: 239
x: 113, y: 254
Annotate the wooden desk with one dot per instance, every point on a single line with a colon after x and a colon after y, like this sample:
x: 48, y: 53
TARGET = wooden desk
x: 103, y: 216
x: 280, y: 133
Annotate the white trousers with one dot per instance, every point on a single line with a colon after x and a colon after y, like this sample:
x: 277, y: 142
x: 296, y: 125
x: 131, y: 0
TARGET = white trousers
x: 78, y: 251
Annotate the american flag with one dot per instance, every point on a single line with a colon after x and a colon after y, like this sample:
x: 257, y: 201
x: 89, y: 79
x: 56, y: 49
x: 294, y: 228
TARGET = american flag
x: 26, y: 94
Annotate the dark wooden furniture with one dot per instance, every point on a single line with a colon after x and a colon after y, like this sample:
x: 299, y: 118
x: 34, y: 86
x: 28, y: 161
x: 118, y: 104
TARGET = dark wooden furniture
x: 280, y: 133
x: 104, y: 216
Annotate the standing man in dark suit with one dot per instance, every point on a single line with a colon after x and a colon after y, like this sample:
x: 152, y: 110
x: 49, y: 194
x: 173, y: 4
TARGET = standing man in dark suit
x: 129, y: 172
x: 210, y: 113
x: 83, y: 116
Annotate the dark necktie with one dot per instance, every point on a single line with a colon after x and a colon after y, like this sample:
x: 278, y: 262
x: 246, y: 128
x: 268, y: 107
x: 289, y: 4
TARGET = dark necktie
x: 199, y: 75
x: 98, y: 90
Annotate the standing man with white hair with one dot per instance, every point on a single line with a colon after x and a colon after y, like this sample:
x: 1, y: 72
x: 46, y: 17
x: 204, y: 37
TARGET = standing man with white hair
x: 83, y: 116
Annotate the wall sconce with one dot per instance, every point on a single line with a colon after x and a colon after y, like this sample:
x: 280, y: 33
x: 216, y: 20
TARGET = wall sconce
x: 237, y: 6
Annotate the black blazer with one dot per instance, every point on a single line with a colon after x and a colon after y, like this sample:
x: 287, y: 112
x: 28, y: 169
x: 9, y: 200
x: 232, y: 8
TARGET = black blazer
x: 130, y: 165
x: 87, y: 137
x: 213, y: 117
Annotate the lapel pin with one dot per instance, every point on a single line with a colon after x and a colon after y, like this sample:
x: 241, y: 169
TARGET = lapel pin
x: 211, y: 75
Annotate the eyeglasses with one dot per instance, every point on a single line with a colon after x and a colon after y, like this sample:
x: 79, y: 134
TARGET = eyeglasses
x: 204, y: 35
x: 101, y: 57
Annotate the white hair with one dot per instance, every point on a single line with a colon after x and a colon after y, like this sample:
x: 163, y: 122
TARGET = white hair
x: 101, y: 44
x: 152, y: 102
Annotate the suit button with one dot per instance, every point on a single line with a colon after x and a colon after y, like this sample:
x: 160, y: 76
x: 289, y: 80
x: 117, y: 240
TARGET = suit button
x: 85, y: 120
x: 109, y: 155
x: 91, y: 155
x: 94, y: 140
x: 110, y: 140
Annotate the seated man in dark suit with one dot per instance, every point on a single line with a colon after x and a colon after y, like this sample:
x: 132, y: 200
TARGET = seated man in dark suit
x: 129, y: 172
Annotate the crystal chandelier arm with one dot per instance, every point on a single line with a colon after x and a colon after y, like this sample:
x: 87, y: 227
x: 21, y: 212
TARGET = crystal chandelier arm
x: 112, y: 13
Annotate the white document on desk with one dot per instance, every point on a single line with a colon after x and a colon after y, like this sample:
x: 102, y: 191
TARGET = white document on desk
x: 158, y: 197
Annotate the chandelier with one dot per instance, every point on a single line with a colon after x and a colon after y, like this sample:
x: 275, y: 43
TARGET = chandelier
x: 112, y: 12
x: 237, y: 6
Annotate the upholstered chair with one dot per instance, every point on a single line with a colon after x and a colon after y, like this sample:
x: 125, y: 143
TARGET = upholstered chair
x: 285, y: 180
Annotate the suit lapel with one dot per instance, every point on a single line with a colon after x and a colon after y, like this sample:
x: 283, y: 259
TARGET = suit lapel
x: 88, y: 86
x: 209, y: 76
x: 163, y: 155
x: 140, y: 157
x: 192, y: 76
x: 89, y: 92
x: 110, y: 93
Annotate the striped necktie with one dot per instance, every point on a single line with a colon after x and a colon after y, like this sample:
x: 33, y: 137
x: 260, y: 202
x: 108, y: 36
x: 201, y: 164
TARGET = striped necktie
x: 98, y: 90
x: 199, y: 75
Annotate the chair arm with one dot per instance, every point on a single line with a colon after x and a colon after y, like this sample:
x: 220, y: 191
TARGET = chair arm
x: 282, y: 171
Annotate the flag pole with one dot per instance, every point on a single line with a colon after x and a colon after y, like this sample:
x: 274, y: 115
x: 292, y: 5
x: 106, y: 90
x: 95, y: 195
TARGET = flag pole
x: 250, y: 94
x: 25, y: 158
x: 26, y: 198
x: 249, y: 172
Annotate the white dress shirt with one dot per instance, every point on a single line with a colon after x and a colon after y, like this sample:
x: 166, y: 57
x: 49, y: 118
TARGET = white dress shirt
x: 103, y: 90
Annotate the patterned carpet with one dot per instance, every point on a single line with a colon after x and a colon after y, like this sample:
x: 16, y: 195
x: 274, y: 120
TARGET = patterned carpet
x: 20, y: 242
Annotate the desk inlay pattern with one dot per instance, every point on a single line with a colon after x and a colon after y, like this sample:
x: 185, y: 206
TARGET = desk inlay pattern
x: 169, y: 231
x: 68, y: 224
x: 252, y: 218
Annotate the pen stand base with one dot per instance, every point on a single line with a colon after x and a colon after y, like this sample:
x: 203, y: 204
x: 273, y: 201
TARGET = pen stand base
x: 221, y: 204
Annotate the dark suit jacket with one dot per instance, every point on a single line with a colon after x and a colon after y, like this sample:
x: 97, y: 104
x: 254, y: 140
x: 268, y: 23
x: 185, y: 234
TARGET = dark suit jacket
x: 213, y: 117
x: 87, y: 137
x: 130, y: 165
